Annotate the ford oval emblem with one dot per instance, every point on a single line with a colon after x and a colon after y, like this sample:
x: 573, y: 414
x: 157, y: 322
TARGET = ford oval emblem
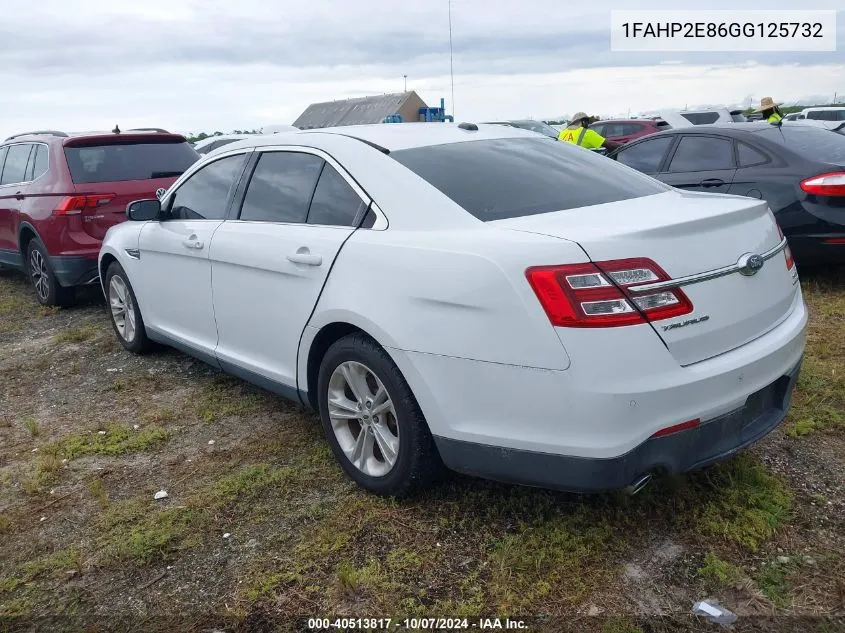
x: 750, y: 264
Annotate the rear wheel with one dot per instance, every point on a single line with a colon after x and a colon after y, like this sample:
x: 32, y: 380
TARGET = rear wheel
x: 126, y: 317
x: 48, y: 291
x: 372, y: 420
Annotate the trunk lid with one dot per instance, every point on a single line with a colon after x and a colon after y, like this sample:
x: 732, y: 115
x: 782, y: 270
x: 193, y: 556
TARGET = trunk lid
x: 688, y: 233
x: 113, y: 170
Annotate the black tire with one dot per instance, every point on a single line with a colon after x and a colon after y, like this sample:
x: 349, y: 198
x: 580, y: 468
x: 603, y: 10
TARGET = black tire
x: 138, y: 343
x: 418, y: 463
x: 48, y: 290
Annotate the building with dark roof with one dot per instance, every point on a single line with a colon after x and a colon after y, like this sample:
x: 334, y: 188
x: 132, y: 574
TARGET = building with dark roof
x: 361, y: 110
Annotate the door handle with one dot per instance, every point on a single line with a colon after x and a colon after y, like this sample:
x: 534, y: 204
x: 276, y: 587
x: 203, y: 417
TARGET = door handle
x: 193, y: 243
x: 304, y: 256
x: 712, y: 182
x: 19, y: 196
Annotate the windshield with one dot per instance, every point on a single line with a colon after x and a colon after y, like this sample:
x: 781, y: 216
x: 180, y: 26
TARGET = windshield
x: 813, y: 143
x: 129, y: 161
x: 507, y: 178
x: 536, y: 126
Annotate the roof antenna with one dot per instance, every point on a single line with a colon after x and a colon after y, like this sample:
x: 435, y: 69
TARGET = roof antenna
x: 116, y: 129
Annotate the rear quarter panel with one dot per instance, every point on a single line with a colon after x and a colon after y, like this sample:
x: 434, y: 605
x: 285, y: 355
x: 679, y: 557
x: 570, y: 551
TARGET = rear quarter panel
x: 452, y: 293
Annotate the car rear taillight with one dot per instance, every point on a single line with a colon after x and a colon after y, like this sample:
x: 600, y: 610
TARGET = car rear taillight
x: 832, y: 184
x: 75, y: 205
x: 683, y: 426
x: 787, y: 253
x: 835, y: 240
x: 596, y: 294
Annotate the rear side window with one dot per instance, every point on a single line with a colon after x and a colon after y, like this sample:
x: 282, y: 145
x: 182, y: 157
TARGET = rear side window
x: 646, y: 156
x: 213, y: 146
x: 812, y: 143
x: 281, y: 187
x: 14, y: 169
x: 749, y: 156
x: 205, y: 194
x: 827, y: 115
x: 117, y: 162
x: 37, y: 162
x: 335, y: 202
x: 702, y: 153
x: 507, y: 178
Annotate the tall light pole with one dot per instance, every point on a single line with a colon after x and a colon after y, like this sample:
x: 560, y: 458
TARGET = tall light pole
x: 406, y: 82
x: 451, y: 66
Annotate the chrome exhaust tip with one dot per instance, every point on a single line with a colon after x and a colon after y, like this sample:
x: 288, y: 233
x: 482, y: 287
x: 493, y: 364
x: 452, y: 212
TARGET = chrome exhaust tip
x: 638, y: 484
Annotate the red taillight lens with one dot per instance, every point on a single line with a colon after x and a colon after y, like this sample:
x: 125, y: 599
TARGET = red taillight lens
x: 832, y: 184
x: 683, y: 426
x: 835, y: 240
x: 787, y: 253
x: 596, y: 295
x: 75, y: 205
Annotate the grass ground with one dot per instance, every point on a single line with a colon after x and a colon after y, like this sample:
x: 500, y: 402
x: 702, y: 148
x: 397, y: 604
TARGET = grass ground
x: 260, y: 525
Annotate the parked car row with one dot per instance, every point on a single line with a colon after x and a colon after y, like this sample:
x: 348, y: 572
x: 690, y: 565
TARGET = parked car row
x: 474, y: 296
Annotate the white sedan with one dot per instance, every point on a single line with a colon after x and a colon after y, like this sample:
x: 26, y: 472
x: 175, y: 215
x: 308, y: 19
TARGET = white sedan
x: 475, y: 296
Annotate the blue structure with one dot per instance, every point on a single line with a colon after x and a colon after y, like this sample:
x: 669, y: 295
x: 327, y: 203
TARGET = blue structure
x: 436, y: 114
x: 393, y: 118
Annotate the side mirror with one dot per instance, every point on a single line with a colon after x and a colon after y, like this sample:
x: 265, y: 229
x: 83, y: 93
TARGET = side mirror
x: 143, y: 210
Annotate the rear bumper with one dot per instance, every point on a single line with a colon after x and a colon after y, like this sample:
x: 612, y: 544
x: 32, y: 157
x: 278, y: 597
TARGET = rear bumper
x: 714, y: 440
x: 75, y: 270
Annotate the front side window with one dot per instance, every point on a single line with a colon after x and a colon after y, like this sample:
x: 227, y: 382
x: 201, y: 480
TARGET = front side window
x: 702, y: 153
x: 646, y: 156
x: 14, y: 169
x: 281, y: 187
x: 335, y: 202
x: 205, y: 194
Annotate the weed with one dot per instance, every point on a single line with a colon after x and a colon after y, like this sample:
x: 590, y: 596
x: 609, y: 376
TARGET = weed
x: 31, y: 425
x: 5, y: 524
x: 75, y: 334
x: 719, y: 572
x: 99, y: 492
x: 141, y: 383
x: 46, y: 471
x: 7, y: 585
x: 46, y: 311
x: 746, y: 505
x: 54, y: 565
x: 114, y: 440
x: 773, y: 581
x: 225, y: 397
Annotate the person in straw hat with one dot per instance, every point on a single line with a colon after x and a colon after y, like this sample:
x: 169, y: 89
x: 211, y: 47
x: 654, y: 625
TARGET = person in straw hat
x: 769, y: 109
x: 578, y: 133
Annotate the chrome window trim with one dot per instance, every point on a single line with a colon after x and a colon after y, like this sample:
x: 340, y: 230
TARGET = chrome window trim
x: 705, y: 276
x: 27, y: 182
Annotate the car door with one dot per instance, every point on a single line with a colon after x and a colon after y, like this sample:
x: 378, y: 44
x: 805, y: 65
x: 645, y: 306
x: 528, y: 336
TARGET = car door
x: 12, y: 194
x: 752, y: 166
x: 270, y: 264
x: 646, y: 156
x: 702, y: 163
x: 173, y: 283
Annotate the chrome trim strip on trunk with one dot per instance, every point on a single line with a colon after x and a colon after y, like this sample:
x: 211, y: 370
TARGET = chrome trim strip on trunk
x: 705, y: 276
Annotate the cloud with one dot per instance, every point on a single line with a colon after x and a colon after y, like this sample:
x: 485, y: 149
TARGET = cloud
x: 197, y: 65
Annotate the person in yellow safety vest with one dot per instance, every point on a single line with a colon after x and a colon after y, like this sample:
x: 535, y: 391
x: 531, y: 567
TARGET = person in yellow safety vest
x: 770, y: 110
x: 578, y: 133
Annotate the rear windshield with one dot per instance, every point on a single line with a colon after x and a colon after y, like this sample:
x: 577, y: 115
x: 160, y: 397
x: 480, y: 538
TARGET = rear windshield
x: 129, y: 161
x: 813, y: 143
x: 509, y: 178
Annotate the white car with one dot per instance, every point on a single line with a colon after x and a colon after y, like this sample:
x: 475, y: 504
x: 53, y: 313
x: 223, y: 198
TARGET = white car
x: 475, y: 296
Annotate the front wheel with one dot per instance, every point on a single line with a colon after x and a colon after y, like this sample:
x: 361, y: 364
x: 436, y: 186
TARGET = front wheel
x: 125, y: 315
x: 372, y: 420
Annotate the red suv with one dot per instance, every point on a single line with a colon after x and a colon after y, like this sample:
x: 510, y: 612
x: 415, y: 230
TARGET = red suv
x: 624, y: 130
x: 59, y: 194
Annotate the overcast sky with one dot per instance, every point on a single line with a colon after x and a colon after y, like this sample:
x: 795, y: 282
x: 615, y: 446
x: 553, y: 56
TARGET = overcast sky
x: 218, y: 65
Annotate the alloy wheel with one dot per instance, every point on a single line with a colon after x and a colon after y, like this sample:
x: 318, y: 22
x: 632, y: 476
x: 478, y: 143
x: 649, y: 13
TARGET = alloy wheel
x: 122, y: 309
x: 363, y: 418
x: 40, y: 274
